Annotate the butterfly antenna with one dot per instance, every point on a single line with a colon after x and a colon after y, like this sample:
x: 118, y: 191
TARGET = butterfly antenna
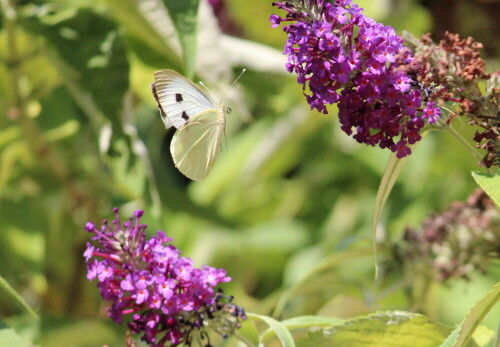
x: 208, y: 90
x: 236, y: 80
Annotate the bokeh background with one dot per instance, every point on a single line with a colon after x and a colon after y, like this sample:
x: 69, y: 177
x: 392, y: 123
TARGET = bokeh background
x: 80, y: 134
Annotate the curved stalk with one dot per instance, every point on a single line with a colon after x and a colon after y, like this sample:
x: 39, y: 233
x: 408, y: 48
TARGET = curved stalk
x: 471, y: 148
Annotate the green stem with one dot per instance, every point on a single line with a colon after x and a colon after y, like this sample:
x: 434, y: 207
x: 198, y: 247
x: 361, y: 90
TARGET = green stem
x: 421, y: 294
x: 459, y: 137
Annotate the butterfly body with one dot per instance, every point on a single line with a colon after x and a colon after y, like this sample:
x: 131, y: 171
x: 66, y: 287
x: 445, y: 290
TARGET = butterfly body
x: 199, y: 120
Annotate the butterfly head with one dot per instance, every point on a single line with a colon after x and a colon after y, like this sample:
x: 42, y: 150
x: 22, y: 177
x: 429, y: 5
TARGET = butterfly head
x: 224, y: 109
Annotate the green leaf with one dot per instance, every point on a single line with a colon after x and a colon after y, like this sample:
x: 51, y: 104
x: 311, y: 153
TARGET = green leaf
x: 383, y: 329
x: 184, y: 15
x: 9, y: 337
x: 311, y: 321
x: 450, y: 340
x: 462, y: 334
x: 391, y: 173
x: 248, y: 333
x: 5, y: 286
x: 276, y: 328
x: 490, y: 184
x: 483, y: 336
x: 148, y: 31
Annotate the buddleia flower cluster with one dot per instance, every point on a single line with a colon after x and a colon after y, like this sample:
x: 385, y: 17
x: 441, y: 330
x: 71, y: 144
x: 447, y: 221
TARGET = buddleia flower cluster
x: 167, y: 299
x: 463, y: 239
x: 342, y: 57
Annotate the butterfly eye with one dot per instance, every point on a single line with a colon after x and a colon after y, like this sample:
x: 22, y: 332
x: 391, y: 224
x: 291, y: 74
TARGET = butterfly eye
x: 228, y: 110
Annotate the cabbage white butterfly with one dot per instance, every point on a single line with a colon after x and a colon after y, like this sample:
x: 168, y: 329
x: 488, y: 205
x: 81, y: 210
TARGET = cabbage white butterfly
x: 199, y: 121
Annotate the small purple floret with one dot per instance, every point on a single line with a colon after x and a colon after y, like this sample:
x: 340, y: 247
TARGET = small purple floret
x: 89, y: 227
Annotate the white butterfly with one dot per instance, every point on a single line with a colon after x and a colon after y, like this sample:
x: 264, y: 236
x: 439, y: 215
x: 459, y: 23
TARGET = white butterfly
x: 199, y: 119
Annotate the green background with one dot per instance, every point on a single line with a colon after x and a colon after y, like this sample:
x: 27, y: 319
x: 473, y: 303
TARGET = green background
x: 80, y: 134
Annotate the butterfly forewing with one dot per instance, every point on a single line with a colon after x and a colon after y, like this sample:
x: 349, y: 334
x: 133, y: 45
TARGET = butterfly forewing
x: 196, y: 144
x: 178, y: 98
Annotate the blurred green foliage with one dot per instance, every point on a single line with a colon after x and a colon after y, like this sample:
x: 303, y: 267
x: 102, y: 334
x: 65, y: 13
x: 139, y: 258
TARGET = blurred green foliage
x: 80, y: 134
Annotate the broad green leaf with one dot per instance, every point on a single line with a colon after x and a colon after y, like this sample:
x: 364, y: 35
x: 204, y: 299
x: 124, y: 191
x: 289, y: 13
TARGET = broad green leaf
x: 9, y: 337
x: 462, y: 334
x: 391, y: 173
x: 383, y: 329
x: 184, y: 15
x: 450, y: 340
x: 5, y: 286
x: 275, y: 328
x: 490, y: 184
x: 311, y: 321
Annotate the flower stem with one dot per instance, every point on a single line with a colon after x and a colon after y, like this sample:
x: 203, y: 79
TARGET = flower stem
x: 459, y: 137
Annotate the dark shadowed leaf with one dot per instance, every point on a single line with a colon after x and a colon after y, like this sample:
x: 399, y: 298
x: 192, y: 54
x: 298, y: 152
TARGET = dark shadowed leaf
x: 88, y: 48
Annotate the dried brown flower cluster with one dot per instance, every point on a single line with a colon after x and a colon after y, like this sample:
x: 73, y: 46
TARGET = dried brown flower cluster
x: 453, y: 244
x: 453, y: 71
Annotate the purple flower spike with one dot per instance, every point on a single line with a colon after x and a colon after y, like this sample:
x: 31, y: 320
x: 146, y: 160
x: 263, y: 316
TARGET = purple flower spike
x: 341, y: 56
x: 169, y: 299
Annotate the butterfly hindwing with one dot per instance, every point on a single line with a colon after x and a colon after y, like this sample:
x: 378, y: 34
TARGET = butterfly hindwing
x: 196, y: 144
x: 178, y: 98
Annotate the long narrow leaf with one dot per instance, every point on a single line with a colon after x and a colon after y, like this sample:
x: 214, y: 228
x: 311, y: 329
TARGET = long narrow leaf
x: 390, y: 175
x: 462, y: 334
x: 276, y: 328
x: 184, y: 14
x: 6, y: 287
x: 149, y: 24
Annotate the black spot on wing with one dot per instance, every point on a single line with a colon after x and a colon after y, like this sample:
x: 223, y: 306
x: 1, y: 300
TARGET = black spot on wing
x: 178, y: 97
x: 184, y: 115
